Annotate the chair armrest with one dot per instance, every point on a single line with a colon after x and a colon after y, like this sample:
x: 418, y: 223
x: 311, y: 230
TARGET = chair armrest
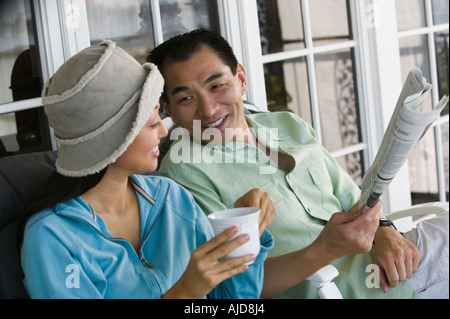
x: 422, y: 209
x: 323, y: 280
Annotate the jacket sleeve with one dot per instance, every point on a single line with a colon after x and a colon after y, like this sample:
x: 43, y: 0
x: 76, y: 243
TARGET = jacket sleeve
x: 249, y: 284
x: 50, y: 270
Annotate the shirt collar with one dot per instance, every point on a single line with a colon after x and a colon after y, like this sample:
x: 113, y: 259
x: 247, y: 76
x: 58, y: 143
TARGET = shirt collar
x: 268, y: 135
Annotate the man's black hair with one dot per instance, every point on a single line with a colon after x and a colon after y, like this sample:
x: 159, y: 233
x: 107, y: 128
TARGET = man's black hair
x: 182, y: 47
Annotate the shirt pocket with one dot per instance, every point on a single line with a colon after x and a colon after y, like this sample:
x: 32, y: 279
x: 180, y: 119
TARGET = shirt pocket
x: 321, y: 179
x: 274, y: 193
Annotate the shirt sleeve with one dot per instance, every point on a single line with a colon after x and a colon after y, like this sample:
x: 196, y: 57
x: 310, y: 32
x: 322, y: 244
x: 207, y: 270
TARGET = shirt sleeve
x: 50, y: 270
x: 205, y: 193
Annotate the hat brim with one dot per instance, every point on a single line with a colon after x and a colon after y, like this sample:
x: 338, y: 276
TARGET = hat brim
x: 82, y: 159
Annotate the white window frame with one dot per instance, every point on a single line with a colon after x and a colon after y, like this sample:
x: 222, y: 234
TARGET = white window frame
x: 376, y: 51
x: 382, y: 78
x: 430, y: 30
x: 378, y: 73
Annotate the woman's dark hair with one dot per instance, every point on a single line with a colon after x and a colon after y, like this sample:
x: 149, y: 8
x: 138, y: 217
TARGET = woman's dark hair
x: 55, y: 190
x: 182, y: 47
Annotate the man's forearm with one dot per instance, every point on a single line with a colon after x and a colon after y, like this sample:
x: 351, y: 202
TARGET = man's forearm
x: 285, y: 271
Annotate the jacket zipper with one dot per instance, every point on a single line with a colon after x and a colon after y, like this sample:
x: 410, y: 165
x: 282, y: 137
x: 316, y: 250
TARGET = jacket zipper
x: 141, y: 258
x: 152, y: 202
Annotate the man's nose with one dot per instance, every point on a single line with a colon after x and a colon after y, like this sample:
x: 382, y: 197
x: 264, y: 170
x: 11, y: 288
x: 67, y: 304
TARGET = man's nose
x: 207, y: 106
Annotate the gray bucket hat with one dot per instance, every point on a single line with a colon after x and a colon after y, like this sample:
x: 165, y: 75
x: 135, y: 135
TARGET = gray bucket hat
x: 97, y: 102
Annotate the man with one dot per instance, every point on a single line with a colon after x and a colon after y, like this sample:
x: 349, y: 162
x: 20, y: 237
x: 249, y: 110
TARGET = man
x: 229, y: 153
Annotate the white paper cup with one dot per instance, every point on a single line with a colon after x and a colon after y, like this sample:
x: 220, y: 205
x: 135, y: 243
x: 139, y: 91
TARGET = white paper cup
x: 247, y: 221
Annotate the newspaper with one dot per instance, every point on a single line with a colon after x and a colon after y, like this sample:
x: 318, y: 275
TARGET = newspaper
x: 407, y: 126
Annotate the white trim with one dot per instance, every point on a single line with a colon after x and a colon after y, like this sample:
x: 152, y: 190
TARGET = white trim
x: 287, y: 55
x: 74, y: 26
x: 20, y: 105
x: 386, y: 87
x: 157, y: 23
x: 435, y: 98
x: 423, y: 31
x: 311, y: 69
x: 240, y: 26
x: 349, y: 150
x: 252, y: 53
x: 49, y: 37
x: 363, y: 79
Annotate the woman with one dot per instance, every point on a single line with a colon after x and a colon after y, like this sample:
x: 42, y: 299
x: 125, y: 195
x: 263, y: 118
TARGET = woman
x: 103, y: 230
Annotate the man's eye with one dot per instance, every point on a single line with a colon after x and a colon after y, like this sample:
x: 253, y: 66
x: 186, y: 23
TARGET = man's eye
x: 155, y: 125
x: 217, y: 86
x: 186, y: 98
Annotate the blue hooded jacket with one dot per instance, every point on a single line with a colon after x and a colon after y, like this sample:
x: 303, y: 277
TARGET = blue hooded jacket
x: 68, y: 252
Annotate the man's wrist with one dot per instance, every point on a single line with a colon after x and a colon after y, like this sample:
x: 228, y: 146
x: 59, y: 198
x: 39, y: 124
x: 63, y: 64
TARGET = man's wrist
x: 386, y: 222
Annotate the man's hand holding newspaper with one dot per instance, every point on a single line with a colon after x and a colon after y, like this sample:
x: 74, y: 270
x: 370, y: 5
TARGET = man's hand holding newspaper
x: 407, y: 126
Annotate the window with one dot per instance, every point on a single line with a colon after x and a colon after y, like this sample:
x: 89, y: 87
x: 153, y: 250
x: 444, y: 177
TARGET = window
x: 63, y: 28
x: 135, y: 24
x: 23, y: 125
x: 424, y: 42
x: 309, y: 68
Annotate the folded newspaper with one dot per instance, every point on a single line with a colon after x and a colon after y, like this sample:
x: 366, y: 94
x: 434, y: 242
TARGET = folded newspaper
x: 407, y: 126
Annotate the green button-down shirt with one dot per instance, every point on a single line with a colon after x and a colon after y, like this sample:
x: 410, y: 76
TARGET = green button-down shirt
x: 304, y: 197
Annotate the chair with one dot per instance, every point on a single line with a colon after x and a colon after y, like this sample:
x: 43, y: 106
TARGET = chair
x: 323, y: 278
x: 20, y: 176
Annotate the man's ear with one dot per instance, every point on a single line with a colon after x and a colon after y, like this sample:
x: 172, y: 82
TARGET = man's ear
x: 165, y: 106
x: 242, y: 76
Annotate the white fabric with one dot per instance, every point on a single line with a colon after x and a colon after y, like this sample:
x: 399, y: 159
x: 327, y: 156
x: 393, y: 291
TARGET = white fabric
x: 431, y: 237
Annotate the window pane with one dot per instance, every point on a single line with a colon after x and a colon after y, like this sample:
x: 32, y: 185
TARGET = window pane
x: 287, y: 87
x: 280, y: 34
x: 410, y: 14
x: 422, y: 161
x: 352, y: 164
x: 20, y: 73
x: 442, y: 54
x: 337, y: 101
x: 128, y: 23
x: 423, y: 170
x: 440, y: 11
x: 445, y: 151
x: 182, y: 16
x: 414, y: 52
x: 329, y: 21
x: 20, y: 79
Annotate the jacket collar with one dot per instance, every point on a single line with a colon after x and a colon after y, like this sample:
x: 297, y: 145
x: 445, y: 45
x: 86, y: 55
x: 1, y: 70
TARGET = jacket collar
x: 79, y: 209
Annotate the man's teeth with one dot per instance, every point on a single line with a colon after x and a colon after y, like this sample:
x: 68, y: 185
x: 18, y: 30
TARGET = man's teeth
x: 215, y: 124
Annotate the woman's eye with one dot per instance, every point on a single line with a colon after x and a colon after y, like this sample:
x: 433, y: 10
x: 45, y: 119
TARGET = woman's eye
x: 155, y: 125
